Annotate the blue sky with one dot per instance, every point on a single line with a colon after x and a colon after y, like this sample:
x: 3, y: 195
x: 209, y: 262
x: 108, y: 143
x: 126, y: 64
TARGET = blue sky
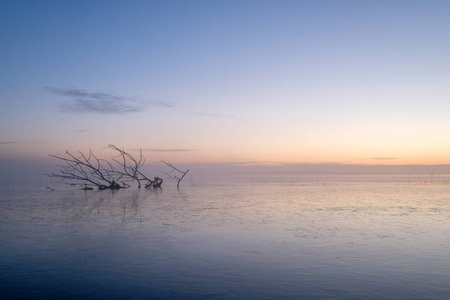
x: 350, y: 82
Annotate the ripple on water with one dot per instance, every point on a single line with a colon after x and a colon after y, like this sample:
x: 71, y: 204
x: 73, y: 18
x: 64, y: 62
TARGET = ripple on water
x: 340, y: 241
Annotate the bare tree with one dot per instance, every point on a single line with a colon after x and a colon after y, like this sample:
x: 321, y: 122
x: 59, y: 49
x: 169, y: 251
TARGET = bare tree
x: 88, y: 170
x: 174, y: 173
x: 129, y: 166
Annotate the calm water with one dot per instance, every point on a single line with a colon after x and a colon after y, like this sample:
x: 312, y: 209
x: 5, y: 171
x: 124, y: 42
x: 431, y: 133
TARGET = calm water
x: 265, y: 238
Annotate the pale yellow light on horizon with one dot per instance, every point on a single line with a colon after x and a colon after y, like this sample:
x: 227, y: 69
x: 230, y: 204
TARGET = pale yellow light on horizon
x: 338, y: 145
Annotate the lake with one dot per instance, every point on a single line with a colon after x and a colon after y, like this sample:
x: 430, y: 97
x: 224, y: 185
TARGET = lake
x: 260, y: 237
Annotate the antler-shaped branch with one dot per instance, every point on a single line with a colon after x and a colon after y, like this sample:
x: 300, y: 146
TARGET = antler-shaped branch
x: 82, y: 169
x: 174, y: 173
x: 88, y: 169
x: 129, y: 165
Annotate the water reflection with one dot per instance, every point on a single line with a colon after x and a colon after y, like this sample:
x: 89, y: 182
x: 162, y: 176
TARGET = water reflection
x: 335, y: 241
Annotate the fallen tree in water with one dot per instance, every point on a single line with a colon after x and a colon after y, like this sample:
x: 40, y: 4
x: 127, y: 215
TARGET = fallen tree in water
x: 88, y: 171
x: 174, y: 173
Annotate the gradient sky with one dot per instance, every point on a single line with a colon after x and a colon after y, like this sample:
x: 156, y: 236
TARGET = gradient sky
x: 351, y: 82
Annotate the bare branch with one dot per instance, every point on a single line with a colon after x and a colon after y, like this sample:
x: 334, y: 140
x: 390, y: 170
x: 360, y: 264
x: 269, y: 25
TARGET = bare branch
x: 174, y: 173
x: 88, y: 169
x: 130, y: 165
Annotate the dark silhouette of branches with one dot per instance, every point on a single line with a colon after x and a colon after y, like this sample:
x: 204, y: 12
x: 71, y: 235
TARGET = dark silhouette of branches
x: 129, y: 166
x: 174, y: 173
x: 88, y: 170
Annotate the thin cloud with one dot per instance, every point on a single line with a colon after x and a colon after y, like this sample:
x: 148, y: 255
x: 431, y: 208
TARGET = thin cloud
x: 378, y: 158
x: 384, y: 158
x: 165, y: 150
x: 214, y: 115
x: 81, y: 101
x: 163, y: 104
x: 80, y: 130
x: 252, y: 163
x: 7, y: 143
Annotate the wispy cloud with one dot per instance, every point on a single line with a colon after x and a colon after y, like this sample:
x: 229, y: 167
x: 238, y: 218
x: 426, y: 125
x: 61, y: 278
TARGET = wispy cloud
x: 81, y: 101
x: 80, y: 130
x: 165, y: 150
x: 384, y: 158
x: 163, y: 104
x: 253, y: 163
x: 215, y: 115
x: 7, y: 143
x: 378, y: 158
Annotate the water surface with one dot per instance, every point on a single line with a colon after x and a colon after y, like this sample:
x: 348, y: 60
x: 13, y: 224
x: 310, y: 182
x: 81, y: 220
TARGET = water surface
x: 263, y: 238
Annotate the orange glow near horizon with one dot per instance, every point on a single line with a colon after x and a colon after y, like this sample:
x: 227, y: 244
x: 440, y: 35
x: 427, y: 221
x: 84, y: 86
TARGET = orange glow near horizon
x: 256, y: 155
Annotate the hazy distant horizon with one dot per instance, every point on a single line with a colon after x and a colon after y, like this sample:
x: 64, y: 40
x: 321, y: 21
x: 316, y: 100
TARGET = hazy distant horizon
x: 33, y: 171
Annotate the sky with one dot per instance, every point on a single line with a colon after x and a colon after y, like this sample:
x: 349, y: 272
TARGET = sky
x: 227, y: 82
